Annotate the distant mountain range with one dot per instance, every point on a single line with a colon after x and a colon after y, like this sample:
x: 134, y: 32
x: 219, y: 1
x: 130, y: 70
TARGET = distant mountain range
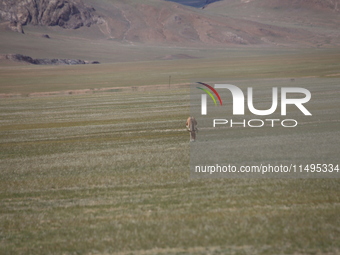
x: 311, y: 23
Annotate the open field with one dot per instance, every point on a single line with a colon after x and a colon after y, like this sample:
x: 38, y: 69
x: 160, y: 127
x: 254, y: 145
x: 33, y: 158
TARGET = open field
x: 107, y: 172
x: 221, y: 64
x: 253, y: 140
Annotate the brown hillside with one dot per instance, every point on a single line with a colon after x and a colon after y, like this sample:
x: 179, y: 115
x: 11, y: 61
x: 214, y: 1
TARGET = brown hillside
x: 228, y: 22
x: 157, y: 21
x: 165, y: 22
x: 313, y: 22
x: 317, y: 13
x: 320, y: 5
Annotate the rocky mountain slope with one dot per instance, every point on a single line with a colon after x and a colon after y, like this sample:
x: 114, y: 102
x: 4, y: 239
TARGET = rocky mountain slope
x: 226, y: 22
x: 63, y: 13
x: 158, y: 21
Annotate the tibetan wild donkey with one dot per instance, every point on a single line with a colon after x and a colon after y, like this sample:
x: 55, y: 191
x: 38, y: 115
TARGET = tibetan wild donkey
x: 191, y: 125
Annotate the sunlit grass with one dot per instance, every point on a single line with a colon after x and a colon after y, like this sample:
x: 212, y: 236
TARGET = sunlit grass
x: 105, y: 173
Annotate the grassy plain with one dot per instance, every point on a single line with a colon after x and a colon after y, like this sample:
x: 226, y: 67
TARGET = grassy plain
x: 221, y: 63
x: 108, y: 172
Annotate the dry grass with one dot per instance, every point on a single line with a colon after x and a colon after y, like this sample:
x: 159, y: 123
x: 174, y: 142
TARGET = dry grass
x: 252, y: 63
x: 108, y: 173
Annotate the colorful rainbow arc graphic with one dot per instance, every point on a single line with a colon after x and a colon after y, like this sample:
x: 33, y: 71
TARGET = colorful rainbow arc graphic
x: 209, y: 93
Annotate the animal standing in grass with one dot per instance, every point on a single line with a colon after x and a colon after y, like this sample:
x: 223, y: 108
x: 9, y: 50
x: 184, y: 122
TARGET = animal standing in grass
x: 191, y: 125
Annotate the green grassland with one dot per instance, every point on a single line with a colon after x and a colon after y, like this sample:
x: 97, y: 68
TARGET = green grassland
x: 107, y: 172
